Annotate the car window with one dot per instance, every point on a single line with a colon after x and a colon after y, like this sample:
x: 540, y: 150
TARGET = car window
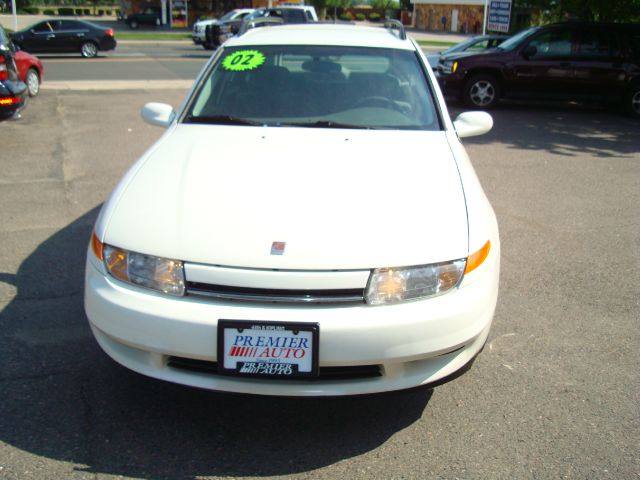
x: 597, y: 43
x: 67, y: 25
x: 555, y: 43
x: 477, y: 46
x: 309, y: 15
x: 306, y: 85
x: 294, y: 16
x: 43, y: 27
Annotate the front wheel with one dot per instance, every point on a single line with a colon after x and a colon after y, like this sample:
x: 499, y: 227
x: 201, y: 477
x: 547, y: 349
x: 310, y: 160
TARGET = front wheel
x: 632, y: 101
x: 32, y: 79
x: 481, y: 91
x: 89, y: 49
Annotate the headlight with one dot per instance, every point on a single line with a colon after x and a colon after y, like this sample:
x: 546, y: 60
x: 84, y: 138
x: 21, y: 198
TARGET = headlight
x: 449, y: 67
x: 390, y: 285
x: 161, y: 274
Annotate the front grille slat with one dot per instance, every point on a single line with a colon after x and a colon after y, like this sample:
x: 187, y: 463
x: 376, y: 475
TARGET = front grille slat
x: 326, y: 373
x: 264, y: 295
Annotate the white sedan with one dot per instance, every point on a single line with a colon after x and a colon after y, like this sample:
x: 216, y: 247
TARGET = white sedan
x: 308, y: 225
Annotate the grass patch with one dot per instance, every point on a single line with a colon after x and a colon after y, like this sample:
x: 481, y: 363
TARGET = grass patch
x: 436, y: 43
x: 159, y: 36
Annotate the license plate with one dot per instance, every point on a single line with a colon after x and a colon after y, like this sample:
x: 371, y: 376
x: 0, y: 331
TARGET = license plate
x: 268, y: 349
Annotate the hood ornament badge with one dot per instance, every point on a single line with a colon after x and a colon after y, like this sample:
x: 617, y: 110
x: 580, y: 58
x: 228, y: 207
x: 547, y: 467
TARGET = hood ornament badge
x: 277, y: 248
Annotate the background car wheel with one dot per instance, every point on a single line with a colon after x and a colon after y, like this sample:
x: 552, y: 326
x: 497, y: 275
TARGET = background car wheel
x: 133, y: 24
x: 32, y: 79
x: 481, y: 91
x: 632, y: 101
x: 89, y: 49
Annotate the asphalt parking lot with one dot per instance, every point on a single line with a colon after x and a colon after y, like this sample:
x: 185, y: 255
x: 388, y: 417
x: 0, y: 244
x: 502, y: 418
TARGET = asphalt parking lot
x: 555, y: 394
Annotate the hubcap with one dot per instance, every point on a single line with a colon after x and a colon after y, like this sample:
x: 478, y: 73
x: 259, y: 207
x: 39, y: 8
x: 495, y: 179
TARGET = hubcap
x: 482, y: 93
x: 635, y: 103
x: 89, y: 50
x: 33, y: 84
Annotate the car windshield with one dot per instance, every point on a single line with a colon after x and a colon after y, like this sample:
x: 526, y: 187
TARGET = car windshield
x: 316, y: 86
x: 227, y: 16
x: 513, y: 42
x: 460, y: 46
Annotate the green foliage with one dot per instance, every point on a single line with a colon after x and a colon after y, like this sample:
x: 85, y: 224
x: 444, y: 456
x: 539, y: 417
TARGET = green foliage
x: 374, y: 17
x: 65, y: 11
x: 386, y: 4
x: 361, y: 16
x: 30, y: 10
x: 49, y: 11
x: 346, y: 17
x: 589, y: 10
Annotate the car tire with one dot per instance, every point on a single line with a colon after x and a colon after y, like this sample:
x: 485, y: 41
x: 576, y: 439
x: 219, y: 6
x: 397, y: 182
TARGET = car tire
x: 632, y: 101
x: 89, y: 50
x: 481, y: 91
x: 133, y: 24
x: 208, y: 46
x: 32, y: 79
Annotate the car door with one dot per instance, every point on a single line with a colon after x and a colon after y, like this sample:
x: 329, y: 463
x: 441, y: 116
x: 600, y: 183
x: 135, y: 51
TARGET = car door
x: 599, y: 68
x: 542, y: 67
x: 38, y: 38
x: 69, y: 35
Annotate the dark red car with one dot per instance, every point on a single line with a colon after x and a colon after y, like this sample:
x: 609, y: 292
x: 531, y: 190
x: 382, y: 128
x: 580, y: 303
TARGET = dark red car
x: 569, y: 61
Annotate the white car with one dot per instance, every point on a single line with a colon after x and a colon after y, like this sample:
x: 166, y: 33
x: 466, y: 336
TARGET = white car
x: 198, y: 34
x: 309, y: 224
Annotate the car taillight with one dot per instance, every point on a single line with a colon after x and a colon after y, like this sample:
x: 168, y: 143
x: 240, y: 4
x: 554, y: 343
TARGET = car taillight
x: 4, y: 73
x: 109, y: 32
x: 9, y: 101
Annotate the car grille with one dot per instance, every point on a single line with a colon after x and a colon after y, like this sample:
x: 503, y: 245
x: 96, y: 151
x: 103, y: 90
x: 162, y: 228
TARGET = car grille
x: 263, y: 295
x: 326, y: 373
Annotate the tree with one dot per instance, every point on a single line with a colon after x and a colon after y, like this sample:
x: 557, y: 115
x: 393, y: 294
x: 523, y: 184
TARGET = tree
x: 323, y: 5
x: 588, y: 10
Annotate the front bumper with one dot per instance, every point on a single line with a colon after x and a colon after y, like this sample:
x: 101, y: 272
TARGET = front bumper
x: 451, y: 84
x: 413, y: 343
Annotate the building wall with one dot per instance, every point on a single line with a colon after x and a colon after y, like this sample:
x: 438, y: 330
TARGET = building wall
x: 429, y: 17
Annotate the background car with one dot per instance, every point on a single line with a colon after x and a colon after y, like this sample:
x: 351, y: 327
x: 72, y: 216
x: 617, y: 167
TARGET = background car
x: 571, y: 61
x: 13, y: 92
x: 378, y: 272
x: 30, y: 71
x: 470, y: 46
x: 65, y: 36
x: 218, y: 33
x: 149, y: 16
x: 199, y: 28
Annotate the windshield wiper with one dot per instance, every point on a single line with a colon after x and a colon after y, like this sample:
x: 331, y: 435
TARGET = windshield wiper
x: 222, y: 120
x: 326, y: 124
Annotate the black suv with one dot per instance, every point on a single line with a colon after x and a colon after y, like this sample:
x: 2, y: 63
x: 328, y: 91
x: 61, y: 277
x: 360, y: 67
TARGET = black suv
x: 567, y: 61
x: 13, y: 92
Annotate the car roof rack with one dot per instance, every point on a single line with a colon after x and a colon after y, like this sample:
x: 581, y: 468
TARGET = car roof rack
x: 392, y: 24
x: 259, y: 22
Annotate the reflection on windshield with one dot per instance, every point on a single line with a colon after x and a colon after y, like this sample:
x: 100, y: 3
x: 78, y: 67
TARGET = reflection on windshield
x: 316, y: 86
x: 513, y: 42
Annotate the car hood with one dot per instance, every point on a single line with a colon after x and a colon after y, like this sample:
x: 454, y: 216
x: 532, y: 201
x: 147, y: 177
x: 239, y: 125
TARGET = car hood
x: 340, y: 199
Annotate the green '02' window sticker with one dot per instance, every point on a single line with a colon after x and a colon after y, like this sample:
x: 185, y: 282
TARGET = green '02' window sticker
x: 243, y: 60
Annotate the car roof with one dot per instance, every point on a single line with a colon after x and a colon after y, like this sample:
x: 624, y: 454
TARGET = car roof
x: 322, y: 34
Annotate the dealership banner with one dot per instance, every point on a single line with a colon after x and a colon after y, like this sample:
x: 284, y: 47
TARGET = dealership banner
x: 499, y: 15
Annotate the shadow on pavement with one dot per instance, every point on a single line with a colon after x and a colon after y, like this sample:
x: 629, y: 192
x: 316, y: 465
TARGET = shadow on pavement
x: 563, y: 129
x: 65, y: 400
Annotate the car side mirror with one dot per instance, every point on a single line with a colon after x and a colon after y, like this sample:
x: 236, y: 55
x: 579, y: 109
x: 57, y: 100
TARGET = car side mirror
x: 159, y: 114
x: 470, y: 124
x: 530, y: 51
